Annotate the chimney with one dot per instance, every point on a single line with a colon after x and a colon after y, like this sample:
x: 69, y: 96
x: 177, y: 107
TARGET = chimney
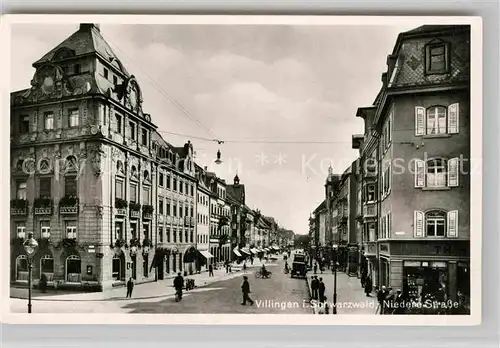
x: 89, y: 26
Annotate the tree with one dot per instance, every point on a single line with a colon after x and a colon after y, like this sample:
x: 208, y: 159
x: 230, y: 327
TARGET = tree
x: 302, y: 241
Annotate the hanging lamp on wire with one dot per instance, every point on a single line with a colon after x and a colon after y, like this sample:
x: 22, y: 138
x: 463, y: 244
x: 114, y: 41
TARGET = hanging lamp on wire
x: 218, y: 159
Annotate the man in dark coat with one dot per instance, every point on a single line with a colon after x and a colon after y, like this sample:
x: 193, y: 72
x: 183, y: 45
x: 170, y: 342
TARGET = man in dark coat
x: 130, y: 287
x: 314, y: 287
x: 321, y: 290
x: 179, y: 285
x: 381, y: 295
x: 210, y: 270
x: 399, y: 303
x: 245, y: 289
x: 368, y: 286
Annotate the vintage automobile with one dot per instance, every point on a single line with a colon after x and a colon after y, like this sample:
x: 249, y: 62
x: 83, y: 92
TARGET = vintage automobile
x: 299, y: 266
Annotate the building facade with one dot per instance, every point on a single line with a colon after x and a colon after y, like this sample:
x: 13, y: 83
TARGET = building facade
x: 88, y: 166
x: 203, y: 218
x: 422, y: 196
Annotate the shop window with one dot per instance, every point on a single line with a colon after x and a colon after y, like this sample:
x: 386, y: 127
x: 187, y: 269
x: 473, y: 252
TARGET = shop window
x: 47, y: 266
x: 22, y: 268
x: 133, y: 230
x: 73, y: 269
x: 116, y: 268
x: 119, y: 230
x: 145, y: 231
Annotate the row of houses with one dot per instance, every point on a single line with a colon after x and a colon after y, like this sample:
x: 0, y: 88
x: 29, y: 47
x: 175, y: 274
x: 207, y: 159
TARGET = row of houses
x: 400, y: 212
x: 105, y: 195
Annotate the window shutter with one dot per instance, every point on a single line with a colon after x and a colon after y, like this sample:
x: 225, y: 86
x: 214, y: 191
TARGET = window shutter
x: 453, y: 224
x: 453, y: 118
x: 453, y: 172
x: 418, y: 224
x: 419, y: 173
x: 419, y: 120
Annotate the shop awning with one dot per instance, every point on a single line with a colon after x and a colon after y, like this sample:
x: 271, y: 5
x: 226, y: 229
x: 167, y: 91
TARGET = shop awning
x: 276, y: 248
x: 206, y: 254
x: 237, y: 253
x: 246, y: 251
x: 253, y: 250
x: 266, y: 249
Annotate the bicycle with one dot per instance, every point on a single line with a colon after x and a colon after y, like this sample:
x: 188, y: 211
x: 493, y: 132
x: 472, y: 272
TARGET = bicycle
x: 259, y: 274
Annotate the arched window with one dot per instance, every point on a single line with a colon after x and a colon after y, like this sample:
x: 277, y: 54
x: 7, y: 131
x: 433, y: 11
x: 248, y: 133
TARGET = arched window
x: 133, y: 171
x: 47, y: 266
x: 71, y: 164
x: 73, y: 269
x: 436, y: 173
x: 21, y: 268
x: 435, y: 223
x: 146, y: 175
x: 436, y: 120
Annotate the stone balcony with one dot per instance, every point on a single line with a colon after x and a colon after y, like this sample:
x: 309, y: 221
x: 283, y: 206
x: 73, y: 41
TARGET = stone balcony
x: 68, y: 209
x: 19, y: 211
x: 121, y: 211
x: 43, y: 210
x: 147, y: 216
x: 135, y: 213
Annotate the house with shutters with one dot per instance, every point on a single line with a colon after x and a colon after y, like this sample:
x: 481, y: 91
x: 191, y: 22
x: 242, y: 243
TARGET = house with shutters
x: 416, y: 198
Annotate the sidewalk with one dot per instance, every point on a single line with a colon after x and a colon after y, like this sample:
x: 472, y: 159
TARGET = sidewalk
x: 151, y: 290
x: 351, y: 297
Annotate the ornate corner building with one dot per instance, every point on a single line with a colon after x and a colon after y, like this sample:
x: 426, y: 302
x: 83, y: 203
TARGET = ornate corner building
x: 106, y: 197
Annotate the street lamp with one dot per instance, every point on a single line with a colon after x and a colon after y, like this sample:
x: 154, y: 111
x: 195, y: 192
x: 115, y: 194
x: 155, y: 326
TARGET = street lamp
x: 336, y: 259
x: 30, y: 246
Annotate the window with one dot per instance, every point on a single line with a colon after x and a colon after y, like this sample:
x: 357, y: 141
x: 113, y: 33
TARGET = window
x: 175, y: 235
x: 180, y: 210
x: 21, y: 189
x: 437, y: 120
x: 168, y: 207
x: 106, y: 73
x: 119, y: 189
x: 45, y: 187
x: 118, y: 119
x: 186, y: 186
x: 160, y: 205
x: 146, y: 196
x: 119, y: 230
x: 133, y: 230
x: 168, y: 234
x: 45, y: 229
x: 144, y: 136
x: 186, y: 211
x: 168, y: 181
x: 73, y: 117
x: 47, y: 266
x: 21, y: 229
x: 115, y: 80
x: 181, y: 187
x: 132, y: 131
x: 77, y: 69
x: 175, y: 184
x: 437, y: 173
x: 160, y: 234
x: 71, y: 229
x: 70, y: 186
x: 24, y: 125
x: 386, y: 182
x: 175, y: 209
x: 436, y: 223
x: 73, y: 269
x: 161, y: 180
x: 48, y: 118
x: 191, y: 236
x: 133, y: 192
x: 437, y: 58
x: 145, y: 231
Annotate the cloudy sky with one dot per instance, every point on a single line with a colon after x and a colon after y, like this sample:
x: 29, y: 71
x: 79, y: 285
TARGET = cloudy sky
x: 282, y: 98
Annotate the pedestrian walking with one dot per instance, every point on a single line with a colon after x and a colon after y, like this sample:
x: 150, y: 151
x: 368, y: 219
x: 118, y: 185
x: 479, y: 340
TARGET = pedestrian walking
x: 244, y: 267
x: 227, y: 266
x: 399, y: 307
x: 315, y: 267
x: 178, y: 285
x: 130, y: 287
x: 368, y: 286
x: 364, y: 276
x: 321, y: 290
x: 245, y: 289
x: 389, y: 298
x: 210, y: 270
x: 314, y: 287
x: 381, y: 295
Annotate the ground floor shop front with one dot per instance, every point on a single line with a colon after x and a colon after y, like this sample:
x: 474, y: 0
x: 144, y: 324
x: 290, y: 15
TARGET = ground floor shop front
x: 424, y: 271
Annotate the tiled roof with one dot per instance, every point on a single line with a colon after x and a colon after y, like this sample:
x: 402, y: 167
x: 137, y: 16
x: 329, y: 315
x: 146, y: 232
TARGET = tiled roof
x: 86, y: 40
